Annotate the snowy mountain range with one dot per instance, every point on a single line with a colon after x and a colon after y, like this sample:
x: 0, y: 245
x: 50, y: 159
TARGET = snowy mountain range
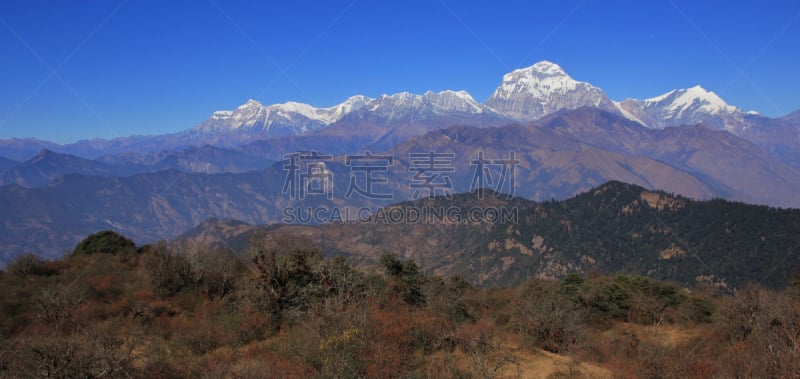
x: 279, y: 119
x: 292, y: 118
x: 524, y: 95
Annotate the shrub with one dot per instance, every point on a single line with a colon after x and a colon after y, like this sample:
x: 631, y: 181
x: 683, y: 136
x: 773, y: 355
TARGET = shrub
x: 168, y: 273
x: 548, y: 320
x: 289, y: 283
x: 216, y: 271
x: 342, y: 355
x: 700, y: 310
x: 610, y: 300
x: 407, y: 280
x: 570, y: 284
x: 29, y: 264
x: 105, y: 242
x: 56, y: 304
x: 630, y: 298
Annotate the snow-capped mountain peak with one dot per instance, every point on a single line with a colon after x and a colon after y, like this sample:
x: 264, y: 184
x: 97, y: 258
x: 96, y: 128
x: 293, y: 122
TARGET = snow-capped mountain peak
x: 697, y: 97
x: 353, y: 103
x: 541, y: 80
x: 405, y: 105
x: 251, y: 104
x: 542, y: 89
x: 543, y: 68
x: 279, y: 119
x: 290, y: 108
x: 683, y: 106
x: 453, y: 101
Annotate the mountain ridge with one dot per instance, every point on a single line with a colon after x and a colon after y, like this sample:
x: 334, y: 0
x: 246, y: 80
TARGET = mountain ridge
x: 665, y: 237
x: 524, y: 95
x: 556, y: 160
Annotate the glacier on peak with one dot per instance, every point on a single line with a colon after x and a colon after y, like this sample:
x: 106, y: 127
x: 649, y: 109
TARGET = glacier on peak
x: 684, y: 106
x: 291, y: 117
x: 544, y: 88
x: 449, y: 101
x: 250, y: 104
x: 353, y: 103
x: 408, y: 105
x: 542, y: 68
x: 294, y: 117
x: 681, y: 99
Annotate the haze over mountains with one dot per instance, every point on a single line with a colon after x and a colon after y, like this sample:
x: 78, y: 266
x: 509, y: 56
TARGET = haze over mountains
x: 567, y: 135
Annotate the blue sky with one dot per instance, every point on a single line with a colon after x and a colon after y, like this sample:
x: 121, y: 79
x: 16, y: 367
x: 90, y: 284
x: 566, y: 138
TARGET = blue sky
x: 83, y: 69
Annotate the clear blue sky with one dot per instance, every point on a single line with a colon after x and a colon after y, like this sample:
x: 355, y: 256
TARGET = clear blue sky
x: 149, y: 67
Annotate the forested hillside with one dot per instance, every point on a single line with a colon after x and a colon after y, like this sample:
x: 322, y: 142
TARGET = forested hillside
x: 615, y: 228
